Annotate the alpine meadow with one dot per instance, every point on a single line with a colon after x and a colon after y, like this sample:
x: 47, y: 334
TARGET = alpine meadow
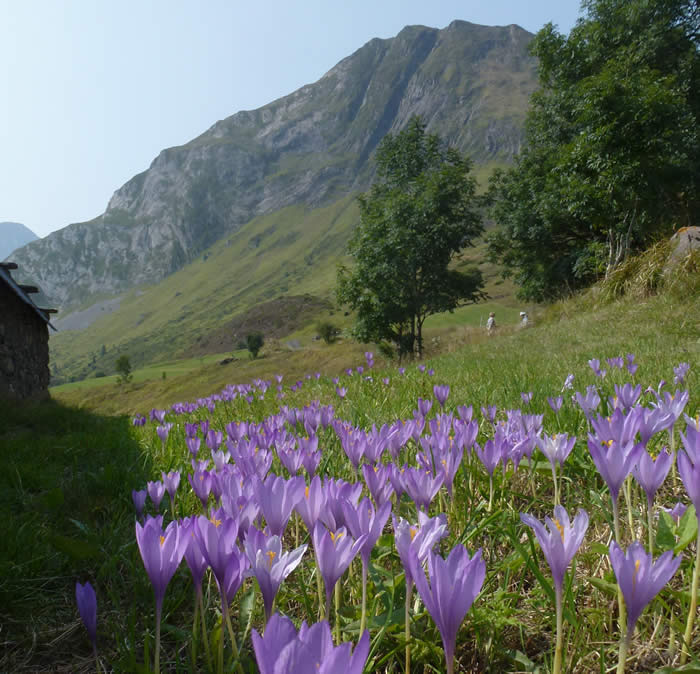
x: 279, y: 436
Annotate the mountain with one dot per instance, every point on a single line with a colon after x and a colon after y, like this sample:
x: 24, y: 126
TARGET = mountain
x: 470, y: 83
x: 14, y: 235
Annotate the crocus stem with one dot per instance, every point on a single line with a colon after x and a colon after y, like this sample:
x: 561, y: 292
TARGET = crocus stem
x: 693, y: 603
x: 156, y: 663
x: 407, y: 626
x: 234, y: 645
x: 221, y: 645
x: 622, y: 609
x: 319, y: 588
x: 558, y: 649
x: 363, y: 616
x: 622, y: 657
x: 627, y: 488
x: 650, y: 527
x: 205, y: 636
x: 556, y: 489
x: 194, y: 630
x: 490, y: 493
x: 97, y: 660
x: 337, y: 613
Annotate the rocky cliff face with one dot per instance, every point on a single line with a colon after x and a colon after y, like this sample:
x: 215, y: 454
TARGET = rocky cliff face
x: 470, y: 84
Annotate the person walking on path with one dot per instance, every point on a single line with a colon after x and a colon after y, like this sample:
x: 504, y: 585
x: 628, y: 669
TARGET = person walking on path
x: 524, y: 320
x: 491, y: 324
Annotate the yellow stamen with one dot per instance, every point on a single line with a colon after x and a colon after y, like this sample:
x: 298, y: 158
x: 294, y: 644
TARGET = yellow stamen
x: 560, y: 528
x: 335, y: 537
x: 413, y: 531
x: 306, y: 492
x: 162, y: 541
x: 216, y: 522
x: 271, y: 554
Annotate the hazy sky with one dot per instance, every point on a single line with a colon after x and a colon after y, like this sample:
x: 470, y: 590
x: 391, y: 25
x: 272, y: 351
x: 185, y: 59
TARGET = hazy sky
x: 92, y: 90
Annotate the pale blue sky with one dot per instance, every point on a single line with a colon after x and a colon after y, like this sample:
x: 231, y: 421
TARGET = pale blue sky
x: 91, y: 90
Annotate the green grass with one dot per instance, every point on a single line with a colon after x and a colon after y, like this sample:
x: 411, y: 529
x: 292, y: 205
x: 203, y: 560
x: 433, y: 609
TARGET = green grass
x: 68, y: 472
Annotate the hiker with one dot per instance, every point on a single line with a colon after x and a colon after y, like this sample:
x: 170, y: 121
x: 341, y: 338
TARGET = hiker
x: 523, y: 319
x: 491, y: 323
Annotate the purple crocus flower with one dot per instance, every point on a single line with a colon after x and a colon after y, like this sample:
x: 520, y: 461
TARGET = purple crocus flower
x: 559, y: 539
x: 269, y: 564
x: 617, y: 361
x: 640, y: 578
x: 489, y: 412
x: 277, y: 498
x: 139, y: 499
x: 691, y: 441
x: 161, y: 552
x: 627, y: 395
x: 196, y: 562
x: 673, y: 403
x: 526, y: 397
x: 86, y: 599
x: 312, y: 503
x: 422, y: 486
x: 310, y: 651
x: 588, y: 403
x: 631, y: 366
x: 201, y: 485
x: 441, y: 394
x: 465, y: 413
x: 650, y: 473
x: 193, y: 444
x: 454, y: 584
x: 677, y: 511
x: 155, y: 491
x: 568, y: 383
x: 341, y: 391
x: 690, y: 474
x: 680, y: 372
x: 334, y: 551
x: 594, y: 364
x: 163, y: 432
x: 614, y: 462
x: 171, y: 481
x: 363, y: 520
x: 418, y: 539
x: 424, y: 406
x: 556, y: 403
x: 556, y: 447
x: 378, y: 482
x: 490, y: 456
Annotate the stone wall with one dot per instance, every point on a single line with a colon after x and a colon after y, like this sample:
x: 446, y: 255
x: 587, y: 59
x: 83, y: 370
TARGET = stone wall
x: 24, y: 348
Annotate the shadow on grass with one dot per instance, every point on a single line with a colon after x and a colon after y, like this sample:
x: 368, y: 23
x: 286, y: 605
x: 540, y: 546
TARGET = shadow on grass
x: 66, y: 514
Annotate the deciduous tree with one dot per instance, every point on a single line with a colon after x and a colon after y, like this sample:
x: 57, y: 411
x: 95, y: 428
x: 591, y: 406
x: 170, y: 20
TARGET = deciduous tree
x: 418, y: 215
x: 612, y: 159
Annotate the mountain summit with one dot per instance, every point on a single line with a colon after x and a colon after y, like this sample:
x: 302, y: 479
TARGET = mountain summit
x: 13, y: 235
x: 469, y: 83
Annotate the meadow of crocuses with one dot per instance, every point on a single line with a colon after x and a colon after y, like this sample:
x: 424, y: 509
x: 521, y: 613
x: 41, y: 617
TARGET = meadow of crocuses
x: 385, y: 522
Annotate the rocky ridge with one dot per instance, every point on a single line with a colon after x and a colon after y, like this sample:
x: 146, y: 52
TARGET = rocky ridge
x: 470, y: 84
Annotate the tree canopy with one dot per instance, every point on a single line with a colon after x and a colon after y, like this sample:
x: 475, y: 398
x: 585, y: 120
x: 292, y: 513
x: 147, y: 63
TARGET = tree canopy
x: 418, y: 215
x: 612, y: 155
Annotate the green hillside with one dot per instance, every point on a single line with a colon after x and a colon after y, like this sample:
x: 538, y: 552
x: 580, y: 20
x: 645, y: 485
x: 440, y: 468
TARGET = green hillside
x: 275, y: 275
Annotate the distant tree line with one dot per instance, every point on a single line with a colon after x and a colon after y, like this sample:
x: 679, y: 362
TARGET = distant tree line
x: 612, y: 155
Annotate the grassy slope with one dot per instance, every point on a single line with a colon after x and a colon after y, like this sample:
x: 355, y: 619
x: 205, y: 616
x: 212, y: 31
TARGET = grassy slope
x: 290, y: 252
x: 72, y: 520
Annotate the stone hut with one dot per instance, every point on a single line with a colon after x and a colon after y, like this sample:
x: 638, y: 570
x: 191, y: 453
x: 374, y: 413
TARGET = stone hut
x: 24, y: 339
